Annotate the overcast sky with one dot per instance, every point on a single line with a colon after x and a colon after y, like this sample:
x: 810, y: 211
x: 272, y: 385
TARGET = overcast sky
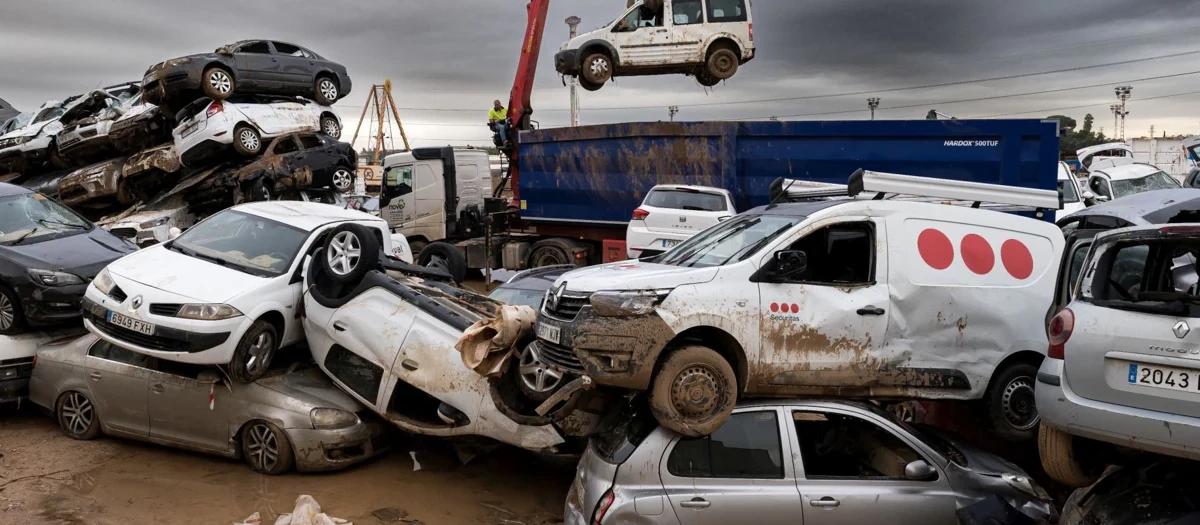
x: 462, y: 54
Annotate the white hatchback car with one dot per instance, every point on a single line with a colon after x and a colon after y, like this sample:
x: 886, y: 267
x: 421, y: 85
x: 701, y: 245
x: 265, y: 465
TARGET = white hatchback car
x: 226, y: 291
x: 1074, y: 198
x: 671, y: 214
x: 248, y: 123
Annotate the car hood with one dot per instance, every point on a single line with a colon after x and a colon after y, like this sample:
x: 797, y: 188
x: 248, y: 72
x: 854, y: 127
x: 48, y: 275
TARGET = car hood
x: 85, y: 253
x: 174, y: 272
x: 311, y: 387
x: 137, y: 111
x: 979, y: 460
x: 634, y: 275
x: 31, y: 130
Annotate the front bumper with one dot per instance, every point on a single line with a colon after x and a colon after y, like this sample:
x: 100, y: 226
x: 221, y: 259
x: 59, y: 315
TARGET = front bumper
x: 325, y: 450
x: 615, y: 351
x: 1136, y: 428
x: 44, y: 305
x: 567, y: 62
x: 182, y: 340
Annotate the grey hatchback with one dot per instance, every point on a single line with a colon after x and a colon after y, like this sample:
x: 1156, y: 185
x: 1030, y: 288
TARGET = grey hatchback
x: 786, y: 462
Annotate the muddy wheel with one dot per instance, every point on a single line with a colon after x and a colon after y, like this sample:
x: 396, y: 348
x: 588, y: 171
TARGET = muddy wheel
x: 597, y: 69
x: 707, y: 80
x: 722, y: 63
x: 246, y: 140
x: 330, y: 126
x: 537, y: 380
x: 550, y: 252
x: 217, y: 83
x: 326, y: 91
x: 1057, y: 451
x: 12, y: 315
x: 343, y: 180
x: 266, y: 448
x: 445, y: 256
x: 351, y: 250
x: 694, y: 391
x: 1011, y: 409
x: 590, y: 86
x: 254, y: 352
x: 77, y: 416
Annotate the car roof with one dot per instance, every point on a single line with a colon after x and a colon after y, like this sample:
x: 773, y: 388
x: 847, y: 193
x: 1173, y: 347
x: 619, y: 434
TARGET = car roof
x: 1127, y: 171
x: 7, y: 189
x: 797, y: 209
x: 305, y: 215
x: 708, y: 189
x: 537, y: 278
x: 1150, y: 207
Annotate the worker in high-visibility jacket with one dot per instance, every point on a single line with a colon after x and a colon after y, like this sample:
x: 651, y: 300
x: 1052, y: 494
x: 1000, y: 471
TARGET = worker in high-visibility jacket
x: 498, y: 121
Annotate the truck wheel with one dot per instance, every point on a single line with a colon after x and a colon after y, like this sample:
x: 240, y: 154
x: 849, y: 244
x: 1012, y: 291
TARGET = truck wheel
x: 550, y: 252
x: 446, y: 256
x: 12, y: 316
x: 217, y: 83
x: 597, y: 69
x: 246, y: 140
x: 1057, y: 451
x: 694, y: 391
x: 1011, y: 410
x: 351, y: 250
x: 722, y: 62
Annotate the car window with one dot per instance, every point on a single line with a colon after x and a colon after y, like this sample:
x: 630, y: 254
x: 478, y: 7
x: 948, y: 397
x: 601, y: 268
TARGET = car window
x: 1078, y: 255
x: 309, y: 54
x: 1155, y: 181
x: 720, y: 11
x: 109, y: 352
x: 1104, y: 222
x: 244, y: 242
x: 1099, y: 187
x: 839, y: 254
x: 746, y: 446
x: 31, y: 217
x: 732, y: 241
x: 837, y: 446
x: 684, y: 199
x: 1069, y: 190
x: 1069, y: 227
x: 1155, y: 275
x: 288, y: 49
x: 358, y: 374
x: 310, y: 142
x: 285, y: 145
x: 401, y: 178
x: 639, y: 18
x: 255, y: 47
x: 687, y: 12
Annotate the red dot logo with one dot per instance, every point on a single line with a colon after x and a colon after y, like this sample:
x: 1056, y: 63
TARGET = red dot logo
x: 977, y: 254
x: 774, y: 307
x: 936, y: 249
x: 1016, y: 259
x: 795, y: 308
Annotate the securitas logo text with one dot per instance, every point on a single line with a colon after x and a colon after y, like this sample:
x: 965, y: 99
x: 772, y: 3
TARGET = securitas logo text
x: 780, y: 311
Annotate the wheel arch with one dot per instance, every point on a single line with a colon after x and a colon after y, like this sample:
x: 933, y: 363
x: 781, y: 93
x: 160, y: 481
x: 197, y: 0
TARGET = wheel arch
x: 593, y: 45
x: 1021, y: 356
x: 718, y: 339
x: 276, y: 319
x: 217, y: 63
x: 235, y: 439
x: 728, y: 39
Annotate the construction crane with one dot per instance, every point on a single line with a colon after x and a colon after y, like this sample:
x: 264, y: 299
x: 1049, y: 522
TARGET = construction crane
x: 520, y: 109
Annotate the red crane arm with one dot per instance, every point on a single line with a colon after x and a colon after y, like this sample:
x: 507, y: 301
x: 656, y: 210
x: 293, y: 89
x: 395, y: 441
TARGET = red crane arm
x: 519, y: 107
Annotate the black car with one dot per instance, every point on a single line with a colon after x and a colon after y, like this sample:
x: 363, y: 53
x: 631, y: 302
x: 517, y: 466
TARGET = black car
x: 48, y: 255
x: 528, y: 288
x: 249, y: 66
x: 290, y: 163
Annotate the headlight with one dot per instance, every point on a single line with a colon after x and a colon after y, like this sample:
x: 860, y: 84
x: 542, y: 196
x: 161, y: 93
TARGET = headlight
x: 1025, y: 486
x: 625, y: 304
x: 161, y: 221
x: 103, y: 282
x: 332, y: 418
x: 52, y: 278
x: 208, y: 312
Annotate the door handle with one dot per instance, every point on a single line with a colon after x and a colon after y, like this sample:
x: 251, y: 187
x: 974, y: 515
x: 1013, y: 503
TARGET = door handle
x: 339, y: 327
x: 157, y: 389
x: 95, y: 376
x: 695, y: 503
x: 870, y: 310
x: 409, y: 364
x: 661, y: 31
x: 825, y: 503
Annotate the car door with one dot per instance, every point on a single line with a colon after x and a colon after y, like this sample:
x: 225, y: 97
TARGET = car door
x: 737, y: 473
x: 180, y: 411
x: 1101, y: 187
x: 372, y: 326
x: 296, y: 70
x: 851, y: 469
x: 641, y: 37
x: 258, y: 67
x: 403, y: 208
x: 688, y: 32
x: 117, y: 380
x: 314, y: 155
x: 825, y: 324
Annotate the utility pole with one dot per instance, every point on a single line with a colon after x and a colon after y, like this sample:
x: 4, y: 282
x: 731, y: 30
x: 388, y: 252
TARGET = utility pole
x: 673, y: 110
x: 873, y: 103
x: 1116, y: 111
x: 1124, y: 93
x: 573, y: 23
x: 1152, y: 131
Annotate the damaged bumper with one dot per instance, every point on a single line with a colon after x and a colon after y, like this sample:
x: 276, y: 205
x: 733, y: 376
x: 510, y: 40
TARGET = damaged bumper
x: 170, y: 80
x: 14, y: 378
x: 616, y: 352
x: 567, y: 62
x: 326, y: 450
x: 50, y: 305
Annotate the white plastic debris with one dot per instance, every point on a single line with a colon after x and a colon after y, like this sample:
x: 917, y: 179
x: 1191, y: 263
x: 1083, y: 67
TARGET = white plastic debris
x: 306, y: 512
x: 416, y: 465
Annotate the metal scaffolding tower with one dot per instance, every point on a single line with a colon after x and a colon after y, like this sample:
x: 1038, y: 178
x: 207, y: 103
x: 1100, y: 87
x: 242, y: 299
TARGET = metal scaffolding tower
x: 382, y: 109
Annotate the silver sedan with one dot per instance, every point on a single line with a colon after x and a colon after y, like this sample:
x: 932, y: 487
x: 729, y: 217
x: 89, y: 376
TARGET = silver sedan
x: 288, y: 419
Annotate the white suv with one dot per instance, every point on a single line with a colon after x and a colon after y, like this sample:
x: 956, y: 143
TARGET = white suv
x: 248, y: 123
x: 672, y: 214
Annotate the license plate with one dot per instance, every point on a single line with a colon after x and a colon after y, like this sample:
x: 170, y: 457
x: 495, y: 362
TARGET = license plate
x: 668, y: 243
x: 549, y: 332
x: 190, y: 129
x: 1164, y: 377
x: 129, y: 323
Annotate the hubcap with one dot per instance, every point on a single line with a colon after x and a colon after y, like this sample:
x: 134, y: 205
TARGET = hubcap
x: 342, y: 179
x: 76, y: 414
x: 331, y: 128
x: 260, y: 353
x: 695, y: 391
x: 1017, y: 404
x: 262, y: 447
x: 249, y: 140
x: 220, y: 81
x: 599, y: 68
x: 8, y: 314
x: 328, y: 89
x: 344, y: 253
x: 534, y: 373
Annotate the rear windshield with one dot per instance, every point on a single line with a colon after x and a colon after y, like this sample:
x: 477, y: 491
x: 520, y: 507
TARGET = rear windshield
x: 681, y: 199
x: 1153, y: 275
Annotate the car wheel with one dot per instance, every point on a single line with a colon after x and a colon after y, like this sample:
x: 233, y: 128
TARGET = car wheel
x: 77, y: 416
x: 706, y: 79
x: 266, y: 448
x: 694, y: 391
x: 597, y: 69
x: 246, y: 140
x: 260, y: 191
x: 331, y: 127
x: 722, y: 63
x: 446, y: 257
x: 218, y: 84
x: 343, y: 180
x: 537, y: 380
x: 590, y: 86
x: 1057, y: 452
x: 1012, y: 411
x: 12, y: 315
x: 326, y: 91
x: 350, y: 251
x: 254, y: 352
x: 550, y: 252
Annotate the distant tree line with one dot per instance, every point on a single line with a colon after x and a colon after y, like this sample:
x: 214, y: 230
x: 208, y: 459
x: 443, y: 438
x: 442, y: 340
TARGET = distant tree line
x: 1073, y: 138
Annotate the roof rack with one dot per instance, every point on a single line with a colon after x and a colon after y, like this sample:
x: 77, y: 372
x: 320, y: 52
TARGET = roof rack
x: 879, y: 186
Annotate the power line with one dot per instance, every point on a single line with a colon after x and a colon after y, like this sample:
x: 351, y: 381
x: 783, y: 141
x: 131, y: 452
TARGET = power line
x: 1140, y: 99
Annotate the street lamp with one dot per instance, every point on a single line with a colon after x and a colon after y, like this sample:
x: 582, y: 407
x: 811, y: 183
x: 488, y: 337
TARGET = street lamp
x: 873, y: 103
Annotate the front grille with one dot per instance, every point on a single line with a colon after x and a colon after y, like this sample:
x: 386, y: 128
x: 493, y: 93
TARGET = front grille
x: 118, y: 294
x: 559, y: 356
x: 165, y: 310
x: 568, y: 306
x: 136, y: 338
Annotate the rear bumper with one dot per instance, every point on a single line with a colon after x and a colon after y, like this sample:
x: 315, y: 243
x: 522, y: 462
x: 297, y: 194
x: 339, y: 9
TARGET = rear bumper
x: 172, y: 80
x: 13, y: 389
x: 639, y: 240
x: 567, y: 62
x: 1136, y: 428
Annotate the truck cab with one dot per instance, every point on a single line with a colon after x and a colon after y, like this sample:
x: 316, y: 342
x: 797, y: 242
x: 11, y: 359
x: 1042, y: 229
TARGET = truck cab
x: 434, y: 194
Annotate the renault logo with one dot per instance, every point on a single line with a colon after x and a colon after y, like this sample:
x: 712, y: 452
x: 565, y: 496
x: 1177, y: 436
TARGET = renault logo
x: 554, y: 296
x: 1181, y: 329
x: 137, y: 302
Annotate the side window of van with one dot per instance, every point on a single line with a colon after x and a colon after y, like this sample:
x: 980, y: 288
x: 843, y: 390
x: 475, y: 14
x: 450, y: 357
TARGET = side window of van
x: 839, y: 254
x: 721, y: 11
x: 687, y: 12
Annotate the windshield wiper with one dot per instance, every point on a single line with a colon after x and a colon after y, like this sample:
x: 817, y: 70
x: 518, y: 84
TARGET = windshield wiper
x: 694, y: 208
x: 76, y: 226
x: 198, y: 255
x: 26, y: 236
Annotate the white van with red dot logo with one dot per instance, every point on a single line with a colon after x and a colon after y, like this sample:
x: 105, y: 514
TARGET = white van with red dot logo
x: 875, y: 294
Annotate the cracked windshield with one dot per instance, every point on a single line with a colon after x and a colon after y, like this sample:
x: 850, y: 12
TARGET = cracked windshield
x: 244, y: 242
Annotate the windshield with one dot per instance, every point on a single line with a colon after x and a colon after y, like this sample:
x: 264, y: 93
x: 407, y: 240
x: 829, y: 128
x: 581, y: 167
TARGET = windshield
x: 1069, y: 190
x: 32, y: 217
x: 244, y: 242
x: 518, y: 297
x: 729, y: 242
x: 49, y: 114
x: 1154, y: 181
x: 16, y: 123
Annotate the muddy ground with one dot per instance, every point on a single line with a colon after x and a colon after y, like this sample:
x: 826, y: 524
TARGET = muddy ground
x: 47, y: 478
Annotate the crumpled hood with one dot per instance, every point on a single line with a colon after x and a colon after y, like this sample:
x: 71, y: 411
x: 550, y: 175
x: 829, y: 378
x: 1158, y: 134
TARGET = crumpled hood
x: 31, y: 130
x: 634, y: 275
x: 84, y: 254
x: 174, y: 272
x: 311, y: 387
x: 979, y: 460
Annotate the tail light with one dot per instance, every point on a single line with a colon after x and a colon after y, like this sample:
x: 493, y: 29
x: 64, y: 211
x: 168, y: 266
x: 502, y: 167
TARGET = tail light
x: 602, y: 507
x: 35, y: 360
x: 213, y: 109
x: 640, y: 214
x: 1059, y: 332
x: 1179, y: 229
x: 751, y: 31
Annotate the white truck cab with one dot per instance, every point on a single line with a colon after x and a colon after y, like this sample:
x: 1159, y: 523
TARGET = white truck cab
x: 416, y: 185
x: 709, y: 39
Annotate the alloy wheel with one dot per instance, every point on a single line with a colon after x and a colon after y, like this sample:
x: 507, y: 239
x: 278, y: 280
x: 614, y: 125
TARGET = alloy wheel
x: 260, y: 353
x: 249, y: 140
x: 262, y: 447
x: 331, y: 128
x: 220, y: 81
x: 342, y: 179
x: 8, y: 313
x: 535, y: 374
x: 328, y: 89
x: 1018, y: 404
x: 76, y: 414
x: 344, y: 253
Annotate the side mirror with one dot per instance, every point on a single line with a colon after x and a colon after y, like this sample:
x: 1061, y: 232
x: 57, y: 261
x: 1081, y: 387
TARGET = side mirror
x: 791, y: 262
x: 1103, y: 198
x: 174, y: 233
x: 209, y: 377
x: 1089, y: 196
x: 919, y: 470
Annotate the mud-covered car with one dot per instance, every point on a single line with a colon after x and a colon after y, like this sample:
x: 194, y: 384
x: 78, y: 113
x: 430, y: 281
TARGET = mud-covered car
x: 290, y: 163
x: 142, y: 127
x: 120, y: 180
x: 151, y: 224
x: 246, y: 123
x: 1147, y: 490
x: 87, y: 137
x: 17, y: 357
x: 30, y: 134
x: 247, y: 67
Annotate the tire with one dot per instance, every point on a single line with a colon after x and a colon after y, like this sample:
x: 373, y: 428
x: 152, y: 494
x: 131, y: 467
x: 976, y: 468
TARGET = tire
x: 597, y: 69
x: 330, y: 126
x: 246, y: 140
x: 1011, y: 410
x: 449, y: 255
x: 1057, y: 452
x: 550, y: 252
x: 76, y: 415
x: 260, y: 191
x: 722, y: 63
x: 350, y: 251
x: 266, y: 448
x: 326, y: 90
x: 694, y: 391
x: 590, y: 86
x: 416, y: 247
x: 536, y: 380
x: 217, y: 83
x: 254, y: 352
x: 12, y: 314
x: 342, y: 180
x: 707, y: 80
